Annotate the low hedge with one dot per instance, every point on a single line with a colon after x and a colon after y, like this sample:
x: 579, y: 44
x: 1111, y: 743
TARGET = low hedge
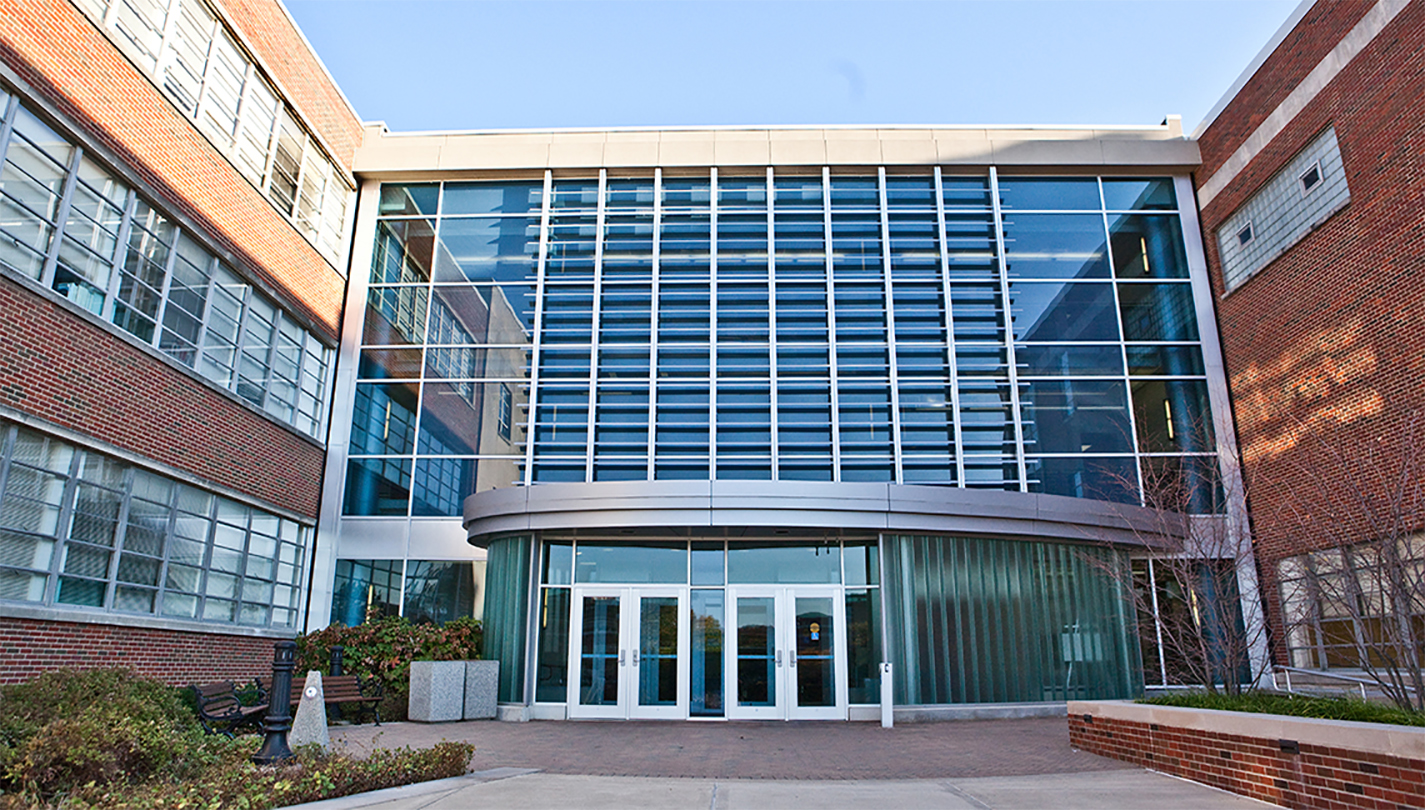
x: 1324, y: 708
x: 107, y: 738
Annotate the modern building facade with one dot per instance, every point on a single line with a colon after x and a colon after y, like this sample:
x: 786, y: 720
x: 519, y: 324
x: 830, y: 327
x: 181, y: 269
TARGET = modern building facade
x: 741, y: 414
x: 705, y: 423
x: 1310, y: 190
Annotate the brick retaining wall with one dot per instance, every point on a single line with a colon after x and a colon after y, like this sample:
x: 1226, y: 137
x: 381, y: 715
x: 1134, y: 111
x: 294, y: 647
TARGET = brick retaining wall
x: 1293, y: 762
x: 29, y: 647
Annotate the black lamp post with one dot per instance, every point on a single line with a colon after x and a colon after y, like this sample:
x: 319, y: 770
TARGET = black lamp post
x: 279, y: 706
x: 336, y: 667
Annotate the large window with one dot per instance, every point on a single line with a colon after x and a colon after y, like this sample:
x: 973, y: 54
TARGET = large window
x: 76, y: 228
x: 187, y: 50
x: 1023, y: 333
x: 423, y: 591
x: 82, y: 529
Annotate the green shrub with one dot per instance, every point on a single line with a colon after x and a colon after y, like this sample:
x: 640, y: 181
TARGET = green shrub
x: 385, y: 648
x: 1326, y: 708
x: 68, y: 728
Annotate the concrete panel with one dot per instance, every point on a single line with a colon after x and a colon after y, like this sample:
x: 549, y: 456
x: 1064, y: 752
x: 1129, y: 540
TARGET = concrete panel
x: 744, y: 152
x: 686, y: 151
x: 640, y: 153
x: 398, y: 153
x: 462, y: 153
x: 798, y: 151
x: 373, y: 538
x: 576, y: 154
x: 967, y: 150
x: 1047, y: 153
x: 907, y: 151
x: 1152, y: 153
x: 853, y: 152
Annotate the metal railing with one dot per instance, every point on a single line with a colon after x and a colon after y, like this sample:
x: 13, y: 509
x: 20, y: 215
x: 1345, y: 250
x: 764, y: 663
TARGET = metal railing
x: 1362, y: 683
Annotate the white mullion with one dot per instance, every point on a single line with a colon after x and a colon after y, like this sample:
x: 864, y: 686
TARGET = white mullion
x: 200, y: 104
x: 121, y: 534
x: 168, y: 266
x: 273, y: 136
x: 653, y: 325
x: 65, y: 519
x: 166, y: 51
x: 531, y: 399
x: 1157, y: 622
x: 1003, y: 265
x: 893, y: 374
x: 959, y: 448
x: 832, y: 378
x: 7, y: 123
x: 61, y: 217
x: 712, y: 324
x: 594, y: 341
x: 201, y: 343
x: 772, y: 326
x: 121, y: 249
x: 1122, y: 347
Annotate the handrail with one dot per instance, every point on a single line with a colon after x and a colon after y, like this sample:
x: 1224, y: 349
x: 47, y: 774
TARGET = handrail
x: 1322, y: 673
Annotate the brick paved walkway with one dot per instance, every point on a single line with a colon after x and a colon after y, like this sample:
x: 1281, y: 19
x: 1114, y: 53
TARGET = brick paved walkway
x: 770, y: 750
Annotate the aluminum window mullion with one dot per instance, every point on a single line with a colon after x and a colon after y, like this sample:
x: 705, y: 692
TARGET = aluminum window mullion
x: 62, y: 523
x: 206, y: 565
x: 7, y: 124
x: 166, y: 51
x: 712, y: 324
x: 205, y: 86
x: 241, y: 338
x: 532, y: 399
x: 272, y: 337
x: 653, y: 328
x: 1122, y: 348
x: 121, y: 531
x: 200, y: 343
x: 890, y: 310
x: 830, y: 285
x: 954, y: 370
x: 1157, y: 623
x: 121, y: 252
x: 594, y: 339
x: 167, y: 285
x: 1013, y: 366
x: 61, y: 217
x: 169, y: 532
x: 772, y: 377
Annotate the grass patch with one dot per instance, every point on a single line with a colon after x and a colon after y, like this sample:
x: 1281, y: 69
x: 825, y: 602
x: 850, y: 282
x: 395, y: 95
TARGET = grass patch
x: 1324, y: 708
x: 107, y: 739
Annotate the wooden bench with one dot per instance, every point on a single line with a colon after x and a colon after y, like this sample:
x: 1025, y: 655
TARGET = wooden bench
x: 221, y: 712
x: 362, y: 694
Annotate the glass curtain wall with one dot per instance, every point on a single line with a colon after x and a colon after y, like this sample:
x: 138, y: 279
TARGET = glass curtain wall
x: 424, y: 591
x: 1000, y: 621
x: 1021, y: 333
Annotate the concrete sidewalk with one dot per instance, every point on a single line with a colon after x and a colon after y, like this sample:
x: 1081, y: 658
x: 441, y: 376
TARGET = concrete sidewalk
x: 511, y: 788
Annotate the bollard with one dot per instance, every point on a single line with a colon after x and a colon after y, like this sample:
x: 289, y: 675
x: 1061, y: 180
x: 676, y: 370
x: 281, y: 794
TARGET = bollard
x: 336, y: 660
x: 279, y: 707
x: 888, y: 716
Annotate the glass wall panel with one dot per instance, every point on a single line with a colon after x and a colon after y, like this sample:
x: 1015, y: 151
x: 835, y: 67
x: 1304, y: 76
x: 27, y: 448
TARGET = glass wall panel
x: 1104, y: 478
x: 706, y: 696
x: 631, y: 563
x: 1070, y: 246
x: 1049, y: 193
x: 438, y: 592
x: 551, y: 680
x: 1065, y: 312
x: 863, y: 645
x: 1075, y: 416
x: 1157, y: 312
x: 1152, y: 194
x: 767, y: 563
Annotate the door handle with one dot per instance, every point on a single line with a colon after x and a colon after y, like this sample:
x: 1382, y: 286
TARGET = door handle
x: 620, y: 657
x: 779, y: 658
x: 635, y: 657
x: 791, y: 658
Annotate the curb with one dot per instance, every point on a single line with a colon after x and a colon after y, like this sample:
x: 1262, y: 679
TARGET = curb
x: 450, y: 785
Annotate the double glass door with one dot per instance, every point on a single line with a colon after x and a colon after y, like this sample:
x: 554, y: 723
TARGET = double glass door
x: 629, y: 653
x: 782, y: 659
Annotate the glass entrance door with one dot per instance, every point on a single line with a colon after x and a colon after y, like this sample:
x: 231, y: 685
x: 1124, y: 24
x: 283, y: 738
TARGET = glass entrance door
x: 628, y: 653
x: 783, y: 659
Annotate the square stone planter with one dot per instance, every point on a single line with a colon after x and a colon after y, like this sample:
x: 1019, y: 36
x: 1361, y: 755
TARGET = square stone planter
x: 437, y: 691
x: 482, y: 686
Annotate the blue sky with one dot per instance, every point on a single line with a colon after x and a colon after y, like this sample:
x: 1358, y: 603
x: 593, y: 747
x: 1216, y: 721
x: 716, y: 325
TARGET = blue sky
x: 420, y: 65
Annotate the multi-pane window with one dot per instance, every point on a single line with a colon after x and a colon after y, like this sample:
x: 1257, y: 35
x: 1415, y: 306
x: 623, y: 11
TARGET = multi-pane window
x: 424, y: 591
x: 74, y: 227
x: 186, y: 48
x: 1024, y: 333
x: 79, y: 528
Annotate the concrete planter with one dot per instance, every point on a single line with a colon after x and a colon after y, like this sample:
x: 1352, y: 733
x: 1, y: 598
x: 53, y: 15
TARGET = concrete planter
x: 437, y: 691
x: 1290, y: 761
x: 482, y: 686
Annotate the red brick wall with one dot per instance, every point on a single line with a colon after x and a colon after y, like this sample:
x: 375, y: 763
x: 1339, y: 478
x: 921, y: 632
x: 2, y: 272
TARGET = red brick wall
x: 29, y: 647
x: 1315, y: 777
x: 1324, y: 347
x: 53, y: 47
x: 283, y: 51
x: 57, y: 365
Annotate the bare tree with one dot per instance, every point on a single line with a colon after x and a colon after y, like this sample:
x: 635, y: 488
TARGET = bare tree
x: 1358, y: 600
x: 1188, y: 589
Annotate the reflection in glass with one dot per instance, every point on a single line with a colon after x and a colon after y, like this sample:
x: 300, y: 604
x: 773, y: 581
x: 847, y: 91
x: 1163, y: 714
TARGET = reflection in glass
x: 629, y: 562
x: 707, y: 563
x: 1051, y: 360
x: 552, y: 654
x: 1049, y: 193
x: 1063, y: 312
x: 815, y: 662
x: 439, y: 591
x: 1147, y: 246
x: 1104, y: 478
x: 1173, y: 416
x: 395, y: 315
x: 658, y: 648
x: 769, y: 563
x: 1165, y: 361
x: 558, y: 564
x: 756, y: 645
x: 599, y: 652
x: 1157, y: 312
x: 377, y: 486
x: 383, y: 419
x: 408, y: 198
x: 705, y: 699
x: 863, y: 645
x: 1152, y: 194
x: 1055, y: 246
x: 365, y: 589
x: 403, y: 251
x: 502, y: 249
x: 863, y: 563
x: 1075, y: 416
x: 491, y: 198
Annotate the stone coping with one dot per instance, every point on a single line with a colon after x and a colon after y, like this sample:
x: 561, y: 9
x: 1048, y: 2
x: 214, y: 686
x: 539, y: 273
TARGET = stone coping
x: 1376, y: 738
